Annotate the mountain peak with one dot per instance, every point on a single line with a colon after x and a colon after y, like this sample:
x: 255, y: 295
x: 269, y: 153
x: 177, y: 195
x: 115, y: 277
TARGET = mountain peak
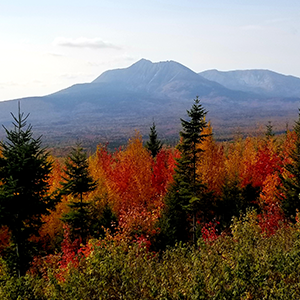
x: 143, y: 61
x: 145, y: 72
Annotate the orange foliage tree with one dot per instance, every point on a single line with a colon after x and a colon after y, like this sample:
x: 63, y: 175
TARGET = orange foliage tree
x: 272, y: 216
x: 211, y: 167
x: 133, y: 184
x: 53, y: 225
x: 265, y: 161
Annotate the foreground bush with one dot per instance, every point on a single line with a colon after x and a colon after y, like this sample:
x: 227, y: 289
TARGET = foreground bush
x: 244, y: 265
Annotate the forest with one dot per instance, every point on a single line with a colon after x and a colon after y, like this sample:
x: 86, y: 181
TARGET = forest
x: 202, y: 220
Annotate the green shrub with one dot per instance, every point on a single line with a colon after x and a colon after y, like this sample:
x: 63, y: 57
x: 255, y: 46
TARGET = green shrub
x: 243, y: 265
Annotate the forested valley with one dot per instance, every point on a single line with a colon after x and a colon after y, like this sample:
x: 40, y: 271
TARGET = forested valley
x: 202, y: 220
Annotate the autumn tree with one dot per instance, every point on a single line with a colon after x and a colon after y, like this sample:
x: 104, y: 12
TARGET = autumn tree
x: 132, y: 190
x: 247, y: 165
x: 77, y: 182
x: 133, y: 184
x: 154, y: 145
x: 24, y: 189
x: 186, y: 195
x: 211, y: 167
x: 51, y: 232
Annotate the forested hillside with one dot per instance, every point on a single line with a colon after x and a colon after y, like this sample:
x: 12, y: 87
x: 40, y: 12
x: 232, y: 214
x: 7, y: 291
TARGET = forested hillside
x: 202, y: 220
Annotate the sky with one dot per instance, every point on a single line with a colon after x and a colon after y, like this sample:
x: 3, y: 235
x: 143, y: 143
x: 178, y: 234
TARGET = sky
x: 47, y: 46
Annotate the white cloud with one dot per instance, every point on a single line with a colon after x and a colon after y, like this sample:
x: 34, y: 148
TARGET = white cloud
x: 126, y: 57
x: 52, y: 54
x: 278, y: 20
x: 5, y: 84
x: 112, y: 61
x: 95, y: 43
x: 75, y: 75
x: 252, y: 27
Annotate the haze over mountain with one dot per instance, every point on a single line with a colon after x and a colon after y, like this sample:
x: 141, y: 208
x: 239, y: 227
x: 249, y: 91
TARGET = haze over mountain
x: 262, y: 82
x: 162, y: 79
x: 119, y: 101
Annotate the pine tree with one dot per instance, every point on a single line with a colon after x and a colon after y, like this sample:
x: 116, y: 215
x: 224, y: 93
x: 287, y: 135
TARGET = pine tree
x: 186, y: 196
x: 153, y: 145
x: 291, y: 184
x: 25, y: 168
x: 77, y: 182
x: 269, y: 133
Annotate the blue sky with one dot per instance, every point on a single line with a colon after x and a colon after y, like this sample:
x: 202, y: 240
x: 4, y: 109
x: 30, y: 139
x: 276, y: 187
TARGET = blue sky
x: 49, y: 46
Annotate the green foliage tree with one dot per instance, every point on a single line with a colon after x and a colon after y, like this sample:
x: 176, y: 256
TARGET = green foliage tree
x: 153, y: 145
x: 291, y: 184
x: 77, y: 182
x: 101, y: 218
x: 25, y: 168
x: 186, y: 196
x: 234, y: 201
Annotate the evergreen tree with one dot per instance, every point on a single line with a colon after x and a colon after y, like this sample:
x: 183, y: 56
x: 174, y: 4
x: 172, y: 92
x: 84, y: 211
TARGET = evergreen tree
x: 25, y: 168
x: 269, y: 133
x: 153, y: 145
x: 77, y: 182
x: 235, y: 201
x: 186, y: 196
x: 291, y: 184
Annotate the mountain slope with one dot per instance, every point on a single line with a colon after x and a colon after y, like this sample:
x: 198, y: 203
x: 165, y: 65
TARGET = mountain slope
x: 262, y: 82
x: 121, y: 100
x: 159, y: 78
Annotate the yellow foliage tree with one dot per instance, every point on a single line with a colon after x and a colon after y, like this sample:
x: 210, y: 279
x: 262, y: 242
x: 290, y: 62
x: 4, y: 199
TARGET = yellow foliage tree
x: 212, y: 163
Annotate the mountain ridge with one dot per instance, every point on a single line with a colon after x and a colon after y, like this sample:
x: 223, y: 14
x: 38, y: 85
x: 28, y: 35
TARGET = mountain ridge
x: 259, y: 81
x: 145, y: 75
x: 118, y: 101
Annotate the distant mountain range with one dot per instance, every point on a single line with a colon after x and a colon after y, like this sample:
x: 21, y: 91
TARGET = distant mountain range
x: 109, y: 108
x: 261, y: 82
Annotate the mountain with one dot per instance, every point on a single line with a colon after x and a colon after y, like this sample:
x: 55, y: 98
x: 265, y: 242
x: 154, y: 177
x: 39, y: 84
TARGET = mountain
x: 118, y: 101
x: 262, y: 82
x: 161, y: 79
x: 166, y: 80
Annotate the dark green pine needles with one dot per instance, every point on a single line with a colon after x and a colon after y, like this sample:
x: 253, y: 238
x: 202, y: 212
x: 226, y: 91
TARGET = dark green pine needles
x: 291, y: 184
x: 77, y: 182
x: 186, y: 196
x: 154, y: 145
x: 25, y: 168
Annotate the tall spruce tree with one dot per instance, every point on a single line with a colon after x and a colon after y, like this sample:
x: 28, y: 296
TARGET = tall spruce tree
x: 25, y: 168
x: 186, y: 196
x: 291, y: 184
x: 154, y: 145
x: 77, y: 182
